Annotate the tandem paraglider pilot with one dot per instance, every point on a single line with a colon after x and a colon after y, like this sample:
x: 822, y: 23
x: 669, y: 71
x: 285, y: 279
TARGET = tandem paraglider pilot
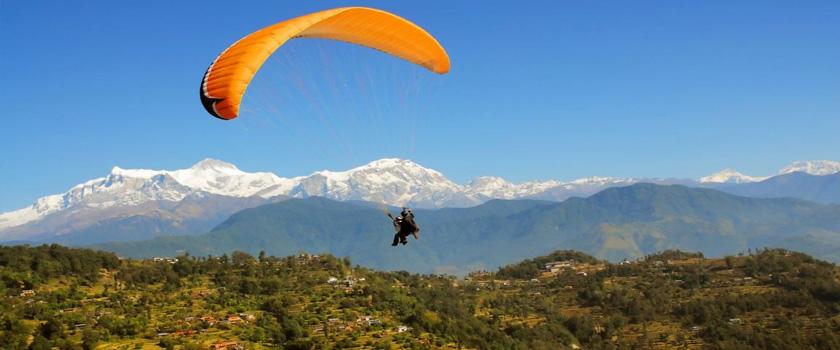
x: 404, y: 225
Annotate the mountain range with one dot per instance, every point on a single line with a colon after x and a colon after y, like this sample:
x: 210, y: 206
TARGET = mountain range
x: 136, y: 204
x: 616, y: 223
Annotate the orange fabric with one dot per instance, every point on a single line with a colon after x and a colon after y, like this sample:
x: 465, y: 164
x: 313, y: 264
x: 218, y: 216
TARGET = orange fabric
x: 228, y: 77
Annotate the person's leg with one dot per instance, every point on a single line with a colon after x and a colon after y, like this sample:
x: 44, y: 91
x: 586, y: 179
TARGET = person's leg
x: 396, y: 239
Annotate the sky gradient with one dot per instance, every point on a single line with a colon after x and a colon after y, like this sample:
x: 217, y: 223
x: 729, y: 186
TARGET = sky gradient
x: 548, y: 89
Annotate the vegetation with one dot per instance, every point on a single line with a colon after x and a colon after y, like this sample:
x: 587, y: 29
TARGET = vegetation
x: 531, y: 268
x: 57, y: 297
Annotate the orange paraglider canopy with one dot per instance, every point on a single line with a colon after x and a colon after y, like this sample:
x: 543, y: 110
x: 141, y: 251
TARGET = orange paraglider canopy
x: 228, y: 77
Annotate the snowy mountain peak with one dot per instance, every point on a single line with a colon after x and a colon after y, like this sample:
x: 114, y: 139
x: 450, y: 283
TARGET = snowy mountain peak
x: 218, y: 177
x: 599, y: 180
x: 390, y: 180
x: 488, y: 181
x: 813, y: 167
x: 730, y: 176
x: 134, y: 187
x: 492, y: 187
x: 135, y: 173
x: 389, y: 163
x: 215, y: 165
x: 392, y: 164
x: 387, y: 170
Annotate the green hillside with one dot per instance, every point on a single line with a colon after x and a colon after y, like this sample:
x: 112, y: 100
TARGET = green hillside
x: 55, y: 297
x: 614, y: 224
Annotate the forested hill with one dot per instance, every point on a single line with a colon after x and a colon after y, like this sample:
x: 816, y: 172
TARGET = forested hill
x: 82, y: 299
x: 614, y: 224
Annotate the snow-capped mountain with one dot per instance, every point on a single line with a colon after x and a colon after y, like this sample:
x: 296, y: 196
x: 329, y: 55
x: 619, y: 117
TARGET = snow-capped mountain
x: 398, y: 182
x: 813, y: 167
x: 211, y: 176
x: 730, y: 176
x: 119, y: 188
x: 390, y: 181
x: 201, y: 195
x: 133, y: 187
x: 491, y: 187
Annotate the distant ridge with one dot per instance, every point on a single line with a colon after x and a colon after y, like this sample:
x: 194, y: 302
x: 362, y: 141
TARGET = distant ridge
x: 137, y: 204
x: 617, y: 223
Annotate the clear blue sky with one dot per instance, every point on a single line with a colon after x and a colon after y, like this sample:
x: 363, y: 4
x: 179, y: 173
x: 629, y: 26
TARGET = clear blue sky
x: 548, y: 89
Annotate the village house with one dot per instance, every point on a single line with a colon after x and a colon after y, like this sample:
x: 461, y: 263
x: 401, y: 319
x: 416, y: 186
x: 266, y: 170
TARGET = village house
x: 227, y: 345
x: 184, y: 332
x: 304, y: 258
x: 349, y: 281
x: 234, y: 319
x: 476, y: 275
x: 502, y: 282
x: 368, y: 320
x: 403, y: 329
x: 210, y: 320
x: 557, y: 266
x: 334, y: 324
x: 27, y: 293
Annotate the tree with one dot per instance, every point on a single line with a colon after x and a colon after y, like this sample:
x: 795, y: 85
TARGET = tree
x: 167, y: 343
x: 241, y: 258
x: 13, y: 332
x: 52, y: 329
x: 90, y: 338
x: 40, y: 343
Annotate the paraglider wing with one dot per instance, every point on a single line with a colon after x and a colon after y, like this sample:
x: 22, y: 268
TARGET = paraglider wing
x: 228, y: 76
